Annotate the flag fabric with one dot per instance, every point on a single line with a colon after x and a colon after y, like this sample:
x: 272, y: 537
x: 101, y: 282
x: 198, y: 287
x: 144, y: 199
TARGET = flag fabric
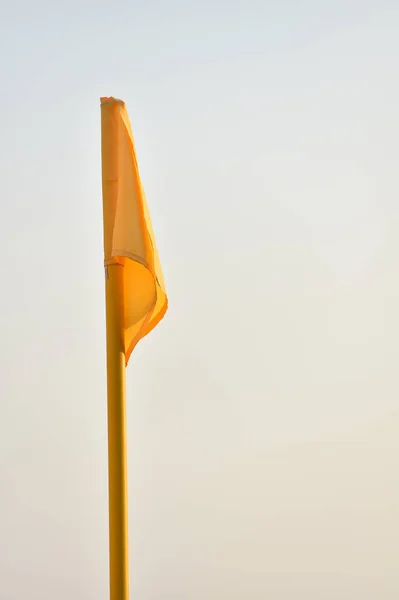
x: 128, y: 236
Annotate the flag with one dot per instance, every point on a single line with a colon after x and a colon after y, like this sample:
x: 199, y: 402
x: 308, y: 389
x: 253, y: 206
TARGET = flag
x: 128, y: 236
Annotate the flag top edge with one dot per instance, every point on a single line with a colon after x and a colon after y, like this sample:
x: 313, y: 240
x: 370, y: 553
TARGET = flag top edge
x: 111, y: 100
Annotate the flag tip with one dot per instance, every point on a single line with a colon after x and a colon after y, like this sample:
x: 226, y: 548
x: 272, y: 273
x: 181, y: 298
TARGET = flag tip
x: 109, y: 99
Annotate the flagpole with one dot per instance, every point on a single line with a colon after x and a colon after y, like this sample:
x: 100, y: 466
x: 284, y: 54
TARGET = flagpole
x: 127, y: 237
x: 117, y: 448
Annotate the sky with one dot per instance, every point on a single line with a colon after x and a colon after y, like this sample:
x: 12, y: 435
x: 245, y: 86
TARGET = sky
x: 263, y: 422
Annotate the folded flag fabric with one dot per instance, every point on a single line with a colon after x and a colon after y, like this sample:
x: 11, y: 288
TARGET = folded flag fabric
x: 128, y: 236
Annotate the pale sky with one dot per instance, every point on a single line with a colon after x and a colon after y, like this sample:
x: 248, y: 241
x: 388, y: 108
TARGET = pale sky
x: 263, y: 419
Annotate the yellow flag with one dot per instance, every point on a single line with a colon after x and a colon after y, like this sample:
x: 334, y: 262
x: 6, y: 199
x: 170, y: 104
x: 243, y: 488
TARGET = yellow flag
x: 128, y: 236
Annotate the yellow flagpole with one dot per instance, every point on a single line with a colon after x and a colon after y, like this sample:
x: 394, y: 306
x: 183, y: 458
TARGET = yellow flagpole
x: 116, y: 369
x: 135, y: 302
x: 117, y: 448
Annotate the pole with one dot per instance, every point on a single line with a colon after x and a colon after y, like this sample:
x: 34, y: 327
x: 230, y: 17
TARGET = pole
x: 117, y: 450
x: 117, y: 455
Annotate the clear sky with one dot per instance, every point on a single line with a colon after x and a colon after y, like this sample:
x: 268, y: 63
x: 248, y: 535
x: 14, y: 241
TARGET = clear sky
x: 263, y: 414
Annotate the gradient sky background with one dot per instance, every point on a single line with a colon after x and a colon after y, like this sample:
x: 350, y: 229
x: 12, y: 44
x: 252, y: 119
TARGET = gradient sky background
x: 263, y: 415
